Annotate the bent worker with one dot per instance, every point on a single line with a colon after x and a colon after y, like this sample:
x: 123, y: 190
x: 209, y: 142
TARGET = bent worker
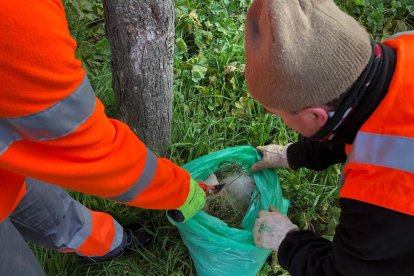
x: 352, y: 100
x: 54, y: 133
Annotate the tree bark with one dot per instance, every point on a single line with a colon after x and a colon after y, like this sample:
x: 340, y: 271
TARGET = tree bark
x: 141, y: 37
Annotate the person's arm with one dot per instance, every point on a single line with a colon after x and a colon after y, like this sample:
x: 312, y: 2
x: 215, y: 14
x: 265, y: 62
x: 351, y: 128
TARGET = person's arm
x: 54, y: 129
x: 369, y: 240
x: 304, y: 153
x: 314, y: 155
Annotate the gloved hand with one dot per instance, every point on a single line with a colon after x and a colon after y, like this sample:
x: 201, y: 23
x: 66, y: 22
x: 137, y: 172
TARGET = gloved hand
x: 196, y: 200
x: 271, y: 228
x: 274, y: 156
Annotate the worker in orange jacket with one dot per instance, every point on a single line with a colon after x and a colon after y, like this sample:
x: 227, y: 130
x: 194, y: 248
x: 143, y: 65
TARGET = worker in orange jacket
x: 352, y: 99
x: 54, y: 133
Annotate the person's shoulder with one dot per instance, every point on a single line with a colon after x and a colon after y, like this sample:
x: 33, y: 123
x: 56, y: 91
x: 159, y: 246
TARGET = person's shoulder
x: 411, y: 32
x: 37, y: 53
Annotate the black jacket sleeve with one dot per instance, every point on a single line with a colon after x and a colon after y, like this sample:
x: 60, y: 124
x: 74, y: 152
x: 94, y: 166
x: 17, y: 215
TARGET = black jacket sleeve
x: 314, y: 155
x: 369, y: 240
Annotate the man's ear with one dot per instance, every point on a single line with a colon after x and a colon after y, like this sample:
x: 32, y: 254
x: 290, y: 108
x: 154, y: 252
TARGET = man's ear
x: 316, y: 116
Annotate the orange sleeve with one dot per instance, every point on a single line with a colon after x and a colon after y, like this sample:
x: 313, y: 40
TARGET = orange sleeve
x: 101, y: 157
x: 37, y: 56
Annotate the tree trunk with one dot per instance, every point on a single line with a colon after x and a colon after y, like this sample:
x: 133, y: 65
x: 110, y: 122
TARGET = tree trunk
x: 141, y: 37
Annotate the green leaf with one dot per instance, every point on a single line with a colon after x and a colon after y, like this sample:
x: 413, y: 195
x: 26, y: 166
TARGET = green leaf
x: 410, y: 9
x: 199, y: 68
x: 181, y: 44
x: 359, y: 2
x: 194, y: 17
x: 266, y: 269
x: 198, y: 72
x: 400, y: 26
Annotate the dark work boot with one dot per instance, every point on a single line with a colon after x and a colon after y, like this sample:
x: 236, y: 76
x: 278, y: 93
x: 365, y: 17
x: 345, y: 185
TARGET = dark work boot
x: 135, y: 238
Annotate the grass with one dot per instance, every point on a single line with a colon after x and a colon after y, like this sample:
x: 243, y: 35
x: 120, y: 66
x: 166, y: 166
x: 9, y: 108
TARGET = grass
x: 212, y: 111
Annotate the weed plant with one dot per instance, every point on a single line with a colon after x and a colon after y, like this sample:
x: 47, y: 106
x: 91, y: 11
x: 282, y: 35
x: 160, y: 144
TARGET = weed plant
x: 226, y: 208
x: 212, y: 111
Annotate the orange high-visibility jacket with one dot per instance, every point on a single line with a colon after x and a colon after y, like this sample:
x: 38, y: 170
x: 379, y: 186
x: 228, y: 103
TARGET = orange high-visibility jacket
x: 380, y: 167
x: 53, y: 128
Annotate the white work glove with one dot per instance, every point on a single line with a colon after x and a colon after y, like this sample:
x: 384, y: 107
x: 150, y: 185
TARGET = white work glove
x: 274, y: 156
x: 271, y: 228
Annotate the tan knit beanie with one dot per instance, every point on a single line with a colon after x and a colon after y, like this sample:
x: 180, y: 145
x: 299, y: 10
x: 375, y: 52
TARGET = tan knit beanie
x: 302, y: 53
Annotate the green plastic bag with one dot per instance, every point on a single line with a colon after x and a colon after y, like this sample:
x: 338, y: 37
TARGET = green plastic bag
x: 217, y: 249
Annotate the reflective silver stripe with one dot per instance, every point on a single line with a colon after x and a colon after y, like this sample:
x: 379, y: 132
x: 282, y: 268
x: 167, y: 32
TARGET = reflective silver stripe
x: 119, y: 235
x: 401, y: 33
x: 71, y: 232
x: 6, y: 137
x: 84, y: 232
x: 394, y: 152
x: 54, y: 122
x: 142, y: 182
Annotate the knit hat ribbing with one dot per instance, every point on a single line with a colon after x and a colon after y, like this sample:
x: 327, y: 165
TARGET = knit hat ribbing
x: 302, y: 53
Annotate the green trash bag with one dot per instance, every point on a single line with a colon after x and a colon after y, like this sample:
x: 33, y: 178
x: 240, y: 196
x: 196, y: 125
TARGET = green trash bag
x: 217, y: 249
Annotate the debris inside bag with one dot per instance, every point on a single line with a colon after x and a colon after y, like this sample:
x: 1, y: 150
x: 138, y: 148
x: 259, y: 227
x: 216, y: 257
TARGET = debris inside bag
x: 231, y: 204
x: 240, y: 187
